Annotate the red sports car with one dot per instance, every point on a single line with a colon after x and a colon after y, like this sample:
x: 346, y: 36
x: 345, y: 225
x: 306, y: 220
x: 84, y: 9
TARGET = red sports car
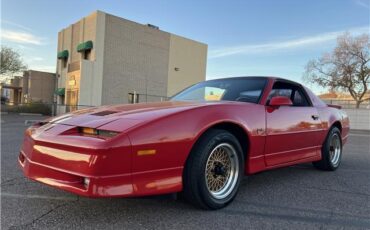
x: 201, y: 142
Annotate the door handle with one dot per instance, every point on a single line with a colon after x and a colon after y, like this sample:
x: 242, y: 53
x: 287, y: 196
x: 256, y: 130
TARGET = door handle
x: 315, y: 117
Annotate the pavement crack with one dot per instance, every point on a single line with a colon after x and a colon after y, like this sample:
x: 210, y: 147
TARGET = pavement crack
x: 47, y: 213
x: 6, y: 182
x: 34, y: 221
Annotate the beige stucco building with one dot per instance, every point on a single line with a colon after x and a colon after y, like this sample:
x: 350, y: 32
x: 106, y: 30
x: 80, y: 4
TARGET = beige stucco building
x: 104, y: 59
x: 33, y: 86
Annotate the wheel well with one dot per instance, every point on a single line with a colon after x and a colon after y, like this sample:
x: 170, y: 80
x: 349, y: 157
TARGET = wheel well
x: 237, y: 131
x: 338, y: 125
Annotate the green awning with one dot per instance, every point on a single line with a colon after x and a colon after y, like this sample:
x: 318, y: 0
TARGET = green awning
x: 60, y: 91
x: 85, y: 46
x: 63, y: 54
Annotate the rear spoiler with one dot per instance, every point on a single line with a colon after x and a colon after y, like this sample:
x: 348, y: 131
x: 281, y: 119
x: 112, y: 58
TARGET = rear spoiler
x: 335, y: 106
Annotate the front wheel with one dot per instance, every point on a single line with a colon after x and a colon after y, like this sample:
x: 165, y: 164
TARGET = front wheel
x: 331, y: 152
x: 214, y: 170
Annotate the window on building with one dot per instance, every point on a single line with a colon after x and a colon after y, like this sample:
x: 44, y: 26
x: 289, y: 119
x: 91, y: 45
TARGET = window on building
x: 64, y: 63
x: 61, y: 100
x: 86, y: 55
x: 133, y: 98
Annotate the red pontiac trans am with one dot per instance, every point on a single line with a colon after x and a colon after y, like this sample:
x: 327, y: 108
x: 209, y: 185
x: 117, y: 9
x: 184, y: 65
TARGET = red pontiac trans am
x: 201, y: 142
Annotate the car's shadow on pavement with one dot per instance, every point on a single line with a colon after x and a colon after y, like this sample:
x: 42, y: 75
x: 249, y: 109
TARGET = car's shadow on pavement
x: 282, y: 195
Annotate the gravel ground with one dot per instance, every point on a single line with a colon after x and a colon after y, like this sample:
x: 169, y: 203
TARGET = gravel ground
x: 298, y: 197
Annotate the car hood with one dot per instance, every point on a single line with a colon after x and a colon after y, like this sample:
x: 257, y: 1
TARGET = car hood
x: 131, y: 113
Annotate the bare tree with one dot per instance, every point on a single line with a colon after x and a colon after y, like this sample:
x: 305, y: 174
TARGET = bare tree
x: 10, y: 61
x: 346, y: 68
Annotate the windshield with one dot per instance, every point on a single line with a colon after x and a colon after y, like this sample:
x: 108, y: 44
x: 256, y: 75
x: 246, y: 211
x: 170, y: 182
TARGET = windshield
x: 233, y: 89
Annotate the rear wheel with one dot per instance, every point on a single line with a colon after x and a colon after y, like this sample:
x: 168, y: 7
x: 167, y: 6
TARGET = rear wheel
x: 331, y: 152
x: 214, y: 170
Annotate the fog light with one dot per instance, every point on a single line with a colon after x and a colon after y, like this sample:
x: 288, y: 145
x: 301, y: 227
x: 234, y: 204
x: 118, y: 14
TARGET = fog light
x: 86, y: 182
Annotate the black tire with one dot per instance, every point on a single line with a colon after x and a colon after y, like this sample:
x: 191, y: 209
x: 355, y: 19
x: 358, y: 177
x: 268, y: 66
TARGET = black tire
x: 195, y: 185
x: 328, y: 162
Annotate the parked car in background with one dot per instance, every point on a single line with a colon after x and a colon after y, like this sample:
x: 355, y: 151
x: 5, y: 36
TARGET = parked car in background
x: 201, y: 142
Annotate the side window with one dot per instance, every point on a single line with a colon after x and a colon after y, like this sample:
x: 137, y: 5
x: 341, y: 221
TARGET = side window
x: 292, y: 91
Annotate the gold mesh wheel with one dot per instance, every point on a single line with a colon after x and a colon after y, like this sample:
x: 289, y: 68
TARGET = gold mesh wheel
x: 222, y: 170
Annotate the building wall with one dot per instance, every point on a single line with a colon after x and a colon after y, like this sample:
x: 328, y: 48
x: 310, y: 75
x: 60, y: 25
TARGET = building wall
x: 25, y: 86
x: 88, y: 30
x: 127, y: 57
x: 92, y: 70
x: 15, y: 94
x: 64, y: 43
x: 40, y: 87
x: 187, y: 64
x: 135, y: 59
x: 68, y: 39
x: 75, y: 56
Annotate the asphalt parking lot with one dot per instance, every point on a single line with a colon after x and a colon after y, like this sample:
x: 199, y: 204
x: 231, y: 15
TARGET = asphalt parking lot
x: 298, y: 197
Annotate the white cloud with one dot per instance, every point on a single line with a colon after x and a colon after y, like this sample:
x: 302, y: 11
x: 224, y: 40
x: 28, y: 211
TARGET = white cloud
x: 21, y: 37
x: 283, y: 45
x: 15, y: 25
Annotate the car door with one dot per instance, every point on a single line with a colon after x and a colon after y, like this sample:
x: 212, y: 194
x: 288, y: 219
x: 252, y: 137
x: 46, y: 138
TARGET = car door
x: 292, y: 131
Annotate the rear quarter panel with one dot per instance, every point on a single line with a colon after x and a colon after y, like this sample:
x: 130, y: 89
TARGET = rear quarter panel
x: 329, y: 116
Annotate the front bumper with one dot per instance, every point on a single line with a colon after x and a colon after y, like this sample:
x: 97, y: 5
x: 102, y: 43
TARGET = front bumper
x: 104, y: 172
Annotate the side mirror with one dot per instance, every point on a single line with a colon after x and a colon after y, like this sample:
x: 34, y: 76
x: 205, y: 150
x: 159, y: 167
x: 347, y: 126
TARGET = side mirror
x: 280, y: 101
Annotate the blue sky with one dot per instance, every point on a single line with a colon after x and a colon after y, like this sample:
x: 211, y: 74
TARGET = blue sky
x: 244, y: 37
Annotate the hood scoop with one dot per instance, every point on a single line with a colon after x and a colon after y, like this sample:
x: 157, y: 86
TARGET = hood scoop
x: 104, y: 113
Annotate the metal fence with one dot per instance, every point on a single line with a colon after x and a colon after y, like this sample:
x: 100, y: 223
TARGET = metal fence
x: 56, y: 109
x: 348, y: 104
x: 52, y: 109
